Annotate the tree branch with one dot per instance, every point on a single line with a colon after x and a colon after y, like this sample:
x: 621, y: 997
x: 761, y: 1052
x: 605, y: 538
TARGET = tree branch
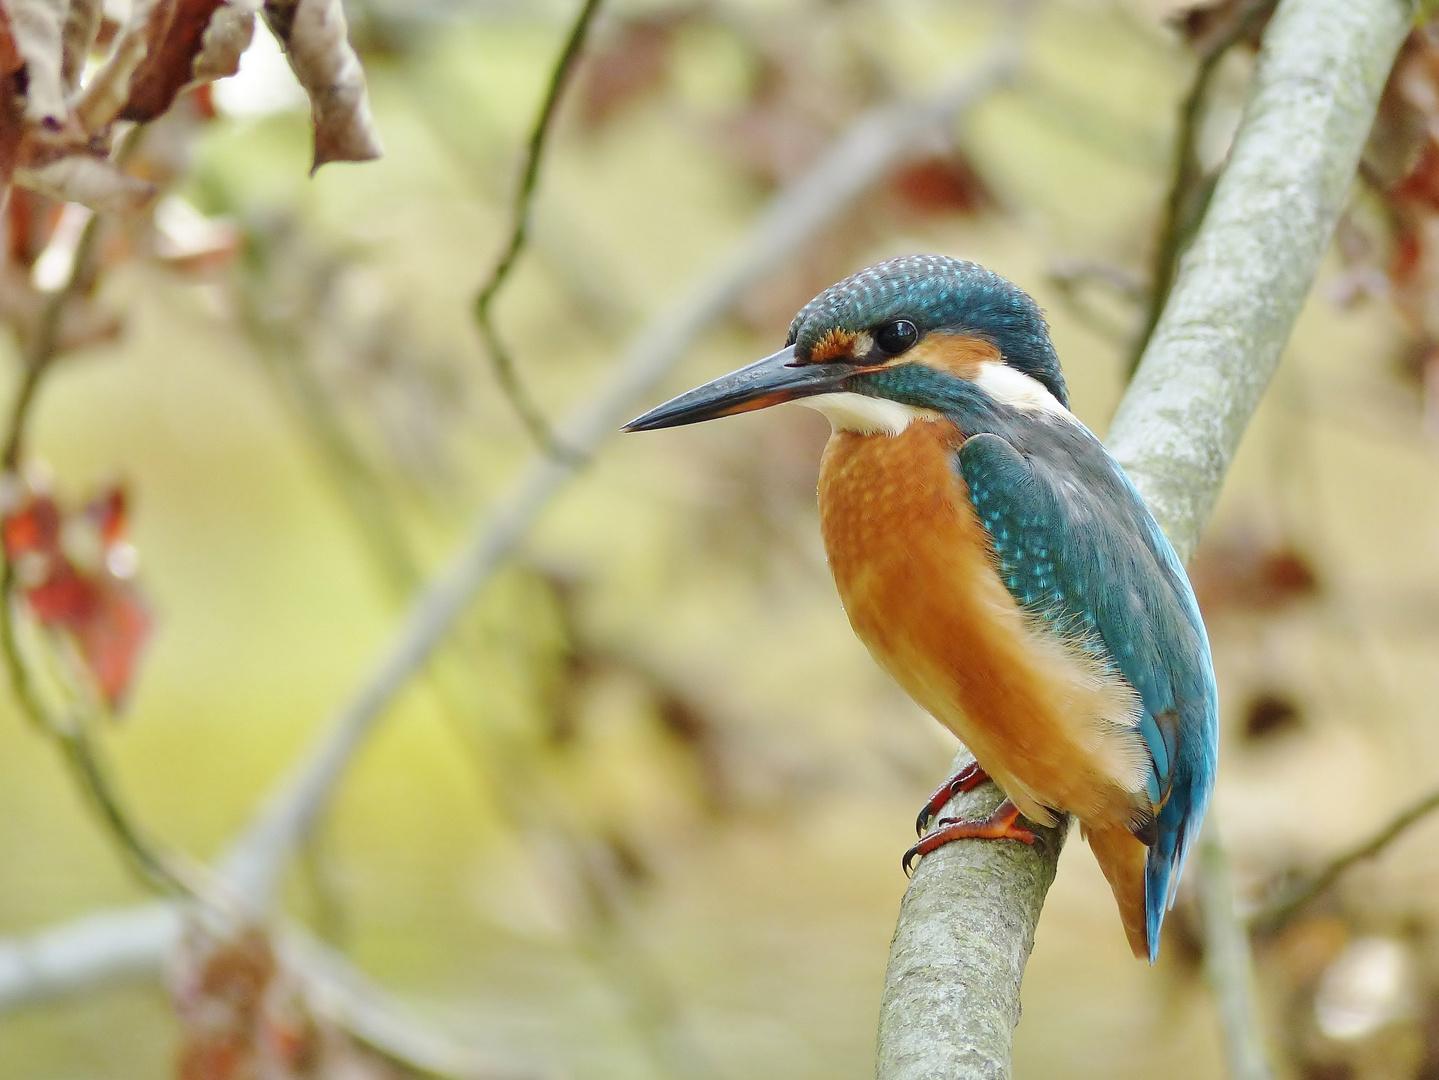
x: 1284, y: 907
x: 1190, y: 189
x: 124, y: 942
x: 1239, y: 290
x: 1227, y: 966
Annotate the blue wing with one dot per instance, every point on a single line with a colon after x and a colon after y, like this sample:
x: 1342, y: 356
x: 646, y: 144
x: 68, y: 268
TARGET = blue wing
x: 1077, y: 547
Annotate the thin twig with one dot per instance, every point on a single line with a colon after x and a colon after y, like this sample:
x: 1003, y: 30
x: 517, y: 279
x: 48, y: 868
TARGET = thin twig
x: 500, y: 357
x: 1228, y: 966
x: 42, y: 347
x: 1288, y: 903
x: 1190, y: 189
x: 71, y: 734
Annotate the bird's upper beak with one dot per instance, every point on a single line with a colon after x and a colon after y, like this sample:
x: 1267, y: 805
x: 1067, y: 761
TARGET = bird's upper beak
x: 759, y: 385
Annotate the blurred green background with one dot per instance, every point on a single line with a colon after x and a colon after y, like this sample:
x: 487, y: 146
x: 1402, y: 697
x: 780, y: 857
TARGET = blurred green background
x: 643, y: 815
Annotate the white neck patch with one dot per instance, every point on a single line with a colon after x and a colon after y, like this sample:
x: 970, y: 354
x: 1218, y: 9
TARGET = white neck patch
x: 864, y: 414
x: 1013, y: 387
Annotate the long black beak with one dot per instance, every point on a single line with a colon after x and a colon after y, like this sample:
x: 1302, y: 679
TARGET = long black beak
x: 764, y: 383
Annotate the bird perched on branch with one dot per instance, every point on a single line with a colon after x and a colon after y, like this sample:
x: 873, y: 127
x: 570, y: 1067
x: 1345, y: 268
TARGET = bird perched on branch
x: 999, y: 564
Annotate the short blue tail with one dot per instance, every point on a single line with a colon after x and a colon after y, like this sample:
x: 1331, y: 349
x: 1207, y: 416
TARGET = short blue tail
x: 1166, y: 858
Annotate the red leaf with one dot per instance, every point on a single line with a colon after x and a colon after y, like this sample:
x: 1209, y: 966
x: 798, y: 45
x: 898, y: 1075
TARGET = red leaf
x: 176, y: 36
x: 73, y: 572
x: 940, y: 185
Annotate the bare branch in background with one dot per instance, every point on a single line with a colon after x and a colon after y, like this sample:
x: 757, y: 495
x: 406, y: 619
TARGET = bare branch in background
x: 1190, y: 188
x: 866, y: 151
x: 1285, y: 906
x: 1321, y: 71
x: 1227, y: 961
x: 501, y: 360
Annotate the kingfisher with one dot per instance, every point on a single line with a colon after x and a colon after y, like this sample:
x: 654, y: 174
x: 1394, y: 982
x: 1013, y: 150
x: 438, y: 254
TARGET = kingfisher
x: 999, y: 564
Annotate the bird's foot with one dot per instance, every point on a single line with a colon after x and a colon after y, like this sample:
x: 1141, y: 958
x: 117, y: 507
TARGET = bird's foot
x: 967, y: 779
x: 1000, y: 825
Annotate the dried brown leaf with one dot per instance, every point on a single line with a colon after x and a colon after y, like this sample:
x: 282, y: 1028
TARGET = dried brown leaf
x: 1239, y: 572
x: 10, y: 59
x: 91, y: 181
x: 172, y: 46
x: 30, y: 221
x: 940, y: 184
x: 82, y: 26
x: 36, y: 27
x: 12, y: 127
x: 226, y: 37
x: 315, y: 38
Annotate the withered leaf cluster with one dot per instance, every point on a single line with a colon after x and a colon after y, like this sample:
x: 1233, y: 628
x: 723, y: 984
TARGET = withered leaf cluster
x: 244, y: 1015
x: 71, y: 80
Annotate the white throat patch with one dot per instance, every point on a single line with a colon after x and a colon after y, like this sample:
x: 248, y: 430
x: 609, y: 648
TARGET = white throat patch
x: 864, y: 414
x: 1013, y: 387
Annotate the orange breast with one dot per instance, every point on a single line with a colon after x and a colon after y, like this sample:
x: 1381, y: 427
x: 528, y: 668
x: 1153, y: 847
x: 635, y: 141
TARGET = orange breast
x: 914, y: 570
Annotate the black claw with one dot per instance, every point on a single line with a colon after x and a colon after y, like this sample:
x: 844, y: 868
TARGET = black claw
x: 908, y: 862
x: 922, y: 822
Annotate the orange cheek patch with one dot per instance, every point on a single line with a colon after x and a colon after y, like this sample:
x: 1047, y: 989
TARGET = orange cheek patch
x: 956, y: 354
x: 835, y: 343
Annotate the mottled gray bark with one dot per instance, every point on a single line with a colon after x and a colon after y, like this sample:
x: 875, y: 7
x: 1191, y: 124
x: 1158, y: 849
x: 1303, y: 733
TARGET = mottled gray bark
x: 966, y: 926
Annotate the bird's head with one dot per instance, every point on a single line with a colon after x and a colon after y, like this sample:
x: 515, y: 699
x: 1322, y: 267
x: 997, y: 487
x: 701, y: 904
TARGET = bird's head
x: 910, y: 336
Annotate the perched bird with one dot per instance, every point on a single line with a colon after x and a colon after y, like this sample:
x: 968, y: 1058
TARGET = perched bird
x: 998, y: 563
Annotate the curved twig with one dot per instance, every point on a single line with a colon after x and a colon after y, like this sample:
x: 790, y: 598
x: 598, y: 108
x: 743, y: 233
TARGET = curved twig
x: 500, y: 357
x: 1190, y: 189
x: 1287, y: 904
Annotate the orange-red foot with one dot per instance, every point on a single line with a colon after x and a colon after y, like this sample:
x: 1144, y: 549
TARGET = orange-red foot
x: 967, y: 779
x: 1000, y: 825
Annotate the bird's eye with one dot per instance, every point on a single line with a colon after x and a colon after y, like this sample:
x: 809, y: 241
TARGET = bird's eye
x: 896, y: 337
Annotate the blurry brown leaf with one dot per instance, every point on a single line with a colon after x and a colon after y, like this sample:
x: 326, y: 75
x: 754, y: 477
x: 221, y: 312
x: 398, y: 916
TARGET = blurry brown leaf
x: 631, y: 61
x: 314, y: 36
x: 1238, y: 573
x: 791, y: 116
x: 36, y: 28
x: 30, y: 219
x: 940, y: 184
x: 244, y: 1015
x: 1269, y: 713
x: 191, y: 244
x: 226, y: 37
x: 11, y: 132
x: 84, y: 322
x: 90, y: 181
x: 74, y: 571
x: 172, y: 40
x: 10, y: 59
x: 1210, y: 26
